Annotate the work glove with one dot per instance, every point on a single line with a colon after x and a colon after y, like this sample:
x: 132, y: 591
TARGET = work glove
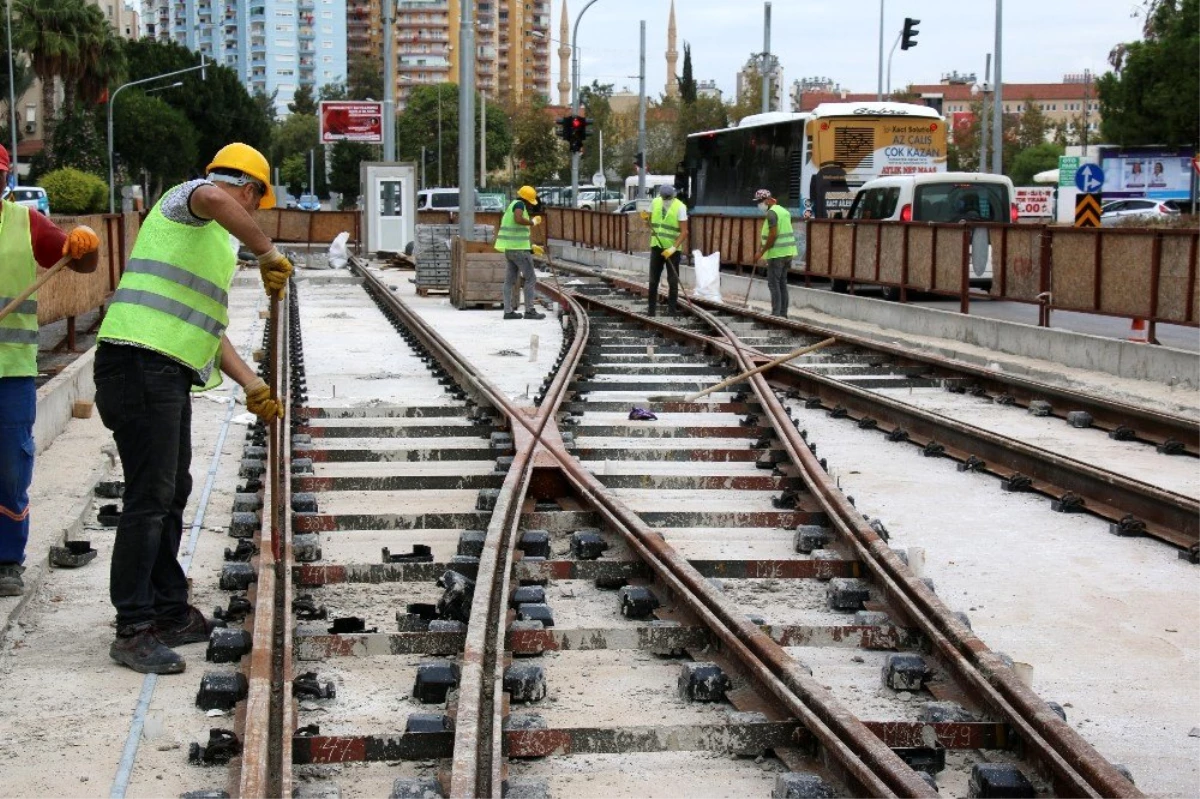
x: 645, y: 215
x: 260, y: 402
x: 535, y: 221
x: 669, y: 252
x: 538, y: 250
x: 275, y: 269
x: 81, y: 241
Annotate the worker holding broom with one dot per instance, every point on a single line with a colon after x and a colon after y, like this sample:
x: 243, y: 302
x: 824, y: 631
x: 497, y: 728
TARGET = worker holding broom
x: 163, y: 336
x: 777, y: 243
x: 668, y: 234
x: 27, y: 240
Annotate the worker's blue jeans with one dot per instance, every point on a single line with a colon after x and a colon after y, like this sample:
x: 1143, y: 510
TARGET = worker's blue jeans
x: 18, y: 405
x: 144, y: 398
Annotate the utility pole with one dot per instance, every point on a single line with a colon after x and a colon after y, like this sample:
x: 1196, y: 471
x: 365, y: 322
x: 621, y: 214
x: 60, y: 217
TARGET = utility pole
x: 983, y: 116
x: 466, y: 121
x: 575, y: 97
x: 12, y: 105
x: 312, y: 171
x: 998, y: 112
x: 879, y: 90
x: 389, y: 81
x: 1087, y: 79
x: 482, y: 139
x: 766, y: 70
x: 641, y: 194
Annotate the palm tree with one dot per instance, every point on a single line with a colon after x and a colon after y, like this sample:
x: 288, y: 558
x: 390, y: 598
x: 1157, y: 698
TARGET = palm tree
x: 99, y: 61
x: 54, y: 33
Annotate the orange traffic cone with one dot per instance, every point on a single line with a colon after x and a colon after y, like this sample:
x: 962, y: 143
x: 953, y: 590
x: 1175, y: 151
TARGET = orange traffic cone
x: 1138, y: 333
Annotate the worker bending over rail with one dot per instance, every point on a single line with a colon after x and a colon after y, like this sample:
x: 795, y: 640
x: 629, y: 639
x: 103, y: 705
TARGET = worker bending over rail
x: 27, y: 240
x: 513, y: 240
x: 778, y: 246
x: 668, y: 233
x: 164, y: 336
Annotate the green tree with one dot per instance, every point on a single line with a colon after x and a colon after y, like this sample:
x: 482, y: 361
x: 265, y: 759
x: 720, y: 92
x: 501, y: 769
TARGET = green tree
x: 333, y: 91
x: 687, y: 83
x: 418, y: 127
x: 598, y: 110
x: 499, y: 133
x: 302, y: 101
x: 1032, y: 160
x: 265, y: 104
x: 1033, y: 126
x: 364, y: 77
x: 538, y: 155
x: 77, y: 141
x: 293, y: 172
x: 73, y: 192
x: 1152, y: 96
x: 54, y: 33
x: 295, y: 134
x: 154, y: 139
x: 344, y: 174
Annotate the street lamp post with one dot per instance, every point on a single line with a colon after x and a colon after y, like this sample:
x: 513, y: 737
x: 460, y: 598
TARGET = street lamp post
x: 466, y: 122
x: 983, y: 91
x: 112, y: 188
x: 575, y: 95
x: 12, y: 100
x: 389, y: 81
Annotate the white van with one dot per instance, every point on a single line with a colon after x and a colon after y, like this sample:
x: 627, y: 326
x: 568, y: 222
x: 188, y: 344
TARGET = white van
x: 437, y: 200
x: 942, y: 197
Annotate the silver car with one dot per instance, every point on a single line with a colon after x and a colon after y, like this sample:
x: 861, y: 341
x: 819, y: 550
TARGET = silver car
x: 1135, y: 211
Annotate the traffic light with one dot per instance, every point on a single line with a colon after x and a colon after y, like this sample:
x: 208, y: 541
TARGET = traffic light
x: 908, y: 39
x: 565, y: 126
x: 579, y: 132
x: 639, y: 161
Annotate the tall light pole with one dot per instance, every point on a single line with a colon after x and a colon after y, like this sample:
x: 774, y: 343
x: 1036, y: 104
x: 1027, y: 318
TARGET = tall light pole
x: 466, y: 122
x: 575, y: 95
x: 982, y: 91
x: 766, y: 67
x: 112, y: 188
x: 641, y: 195
x: 879, y: 91
x: 998, y: 110
x: 482, y: 139
x: 389, y: 81
x: 12, y: 101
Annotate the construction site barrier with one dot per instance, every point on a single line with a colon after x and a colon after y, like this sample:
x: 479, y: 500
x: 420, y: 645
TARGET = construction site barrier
x: 308, y: 227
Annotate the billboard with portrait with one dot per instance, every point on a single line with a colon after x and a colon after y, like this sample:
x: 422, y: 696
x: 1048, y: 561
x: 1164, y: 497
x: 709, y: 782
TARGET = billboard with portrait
x: 360, y: 121
x: 1158, y: 174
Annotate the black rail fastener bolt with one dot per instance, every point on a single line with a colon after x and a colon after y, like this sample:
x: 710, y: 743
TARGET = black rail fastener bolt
x: 419, y: 723
x: 1040, y: 408
x: 1004, y: 399
x: 527, y: 594
x: 998, y: 779
x: 905, y: 671
x: 763, y: 442
x: 809, y: 537
x: 1191, y: 554
x: 838, y: 412
x: 880, y: 528
x: 1080, y: 419
x: 223, y: 746
x: 588, y: 544
x: 536, y: 611
x: 1016, y: 482
x: 812, y: 403
x: 703, y: 682
x: 898, y: 435
x: 1069, y: 503
x: 1129, y: 526
x: 933, y: 450
x: 800, y: 785
x: 971, y: 464
x: 309, y: 686
x: 788, y: 500
x: 525, y: 682
x: 306, y: 609
x: 1171, y: 447
x: 455, y: 602
x: 350, y: 625
x: 956, y: 387
x: 637, y: 601
x: 227, y: 645
x: 245, y: 550
x: 435, y: 679
x: 237, y: 576
x: 72, y: 554
x: 421, y: 553
x: 867, y: 423
x: 1123, y: 433
x: 221, y: 690
x: 847, y: 593
x: 237, y: 611
x: 535, y: 543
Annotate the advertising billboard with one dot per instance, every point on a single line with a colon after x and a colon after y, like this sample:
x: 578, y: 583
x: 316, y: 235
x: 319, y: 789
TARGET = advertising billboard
x: 1157, y: 174
x: 359, y: 121
x: 1034, y: 202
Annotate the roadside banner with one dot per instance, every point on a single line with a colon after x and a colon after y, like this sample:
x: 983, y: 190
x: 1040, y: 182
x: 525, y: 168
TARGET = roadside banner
x: 351, y: 121
x: 1034, y: 202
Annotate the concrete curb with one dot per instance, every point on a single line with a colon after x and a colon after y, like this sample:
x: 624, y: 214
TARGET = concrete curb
x: 56, y: 398
x: 1078, y: 350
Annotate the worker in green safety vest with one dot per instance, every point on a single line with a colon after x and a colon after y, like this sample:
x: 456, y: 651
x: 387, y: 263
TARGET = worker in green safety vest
x: 163, y: 336
x: 777, y: 244
x: 668, y: 234
x: 514, y: 241
x: 27, y: 240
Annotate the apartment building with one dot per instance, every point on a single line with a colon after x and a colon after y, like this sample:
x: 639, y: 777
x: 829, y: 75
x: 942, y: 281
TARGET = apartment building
x: 512, y: 40
x: 749, y: 80
x: 274, y: 46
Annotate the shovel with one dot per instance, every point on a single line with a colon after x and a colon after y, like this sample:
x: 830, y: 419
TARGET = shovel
x: 781, y: 359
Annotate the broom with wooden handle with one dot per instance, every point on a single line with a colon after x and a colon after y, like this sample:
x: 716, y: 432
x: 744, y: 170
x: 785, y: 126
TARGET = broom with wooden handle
x: 736, y: 378
x: 37, y: 284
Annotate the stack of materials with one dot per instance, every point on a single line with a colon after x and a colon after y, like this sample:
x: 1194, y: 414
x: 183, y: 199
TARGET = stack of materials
x: 477, y: 275
x: 434, y: 257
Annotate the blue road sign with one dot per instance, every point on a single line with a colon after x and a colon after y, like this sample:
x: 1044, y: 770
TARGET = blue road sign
x: 1089, y: 178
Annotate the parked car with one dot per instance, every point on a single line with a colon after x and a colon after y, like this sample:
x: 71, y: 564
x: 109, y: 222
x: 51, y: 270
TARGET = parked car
x: 437, y: 200
x: 941, y: 197
x: 627, y: 208
x: 597, y: 199
x: 490, y: 202
x: 34, y: 197
x: 1136, y: 210
x: 309, y: 202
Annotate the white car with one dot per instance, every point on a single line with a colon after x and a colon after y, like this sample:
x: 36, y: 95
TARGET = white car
x: 941, y: 197
x: 34, y: 197
x: 1131, y: 211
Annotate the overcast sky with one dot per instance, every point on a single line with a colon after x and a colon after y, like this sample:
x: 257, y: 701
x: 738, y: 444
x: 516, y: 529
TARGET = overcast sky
x: 839, y: 39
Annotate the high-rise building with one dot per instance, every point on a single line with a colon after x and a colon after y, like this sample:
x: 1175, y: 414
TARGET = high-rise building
x: 708, y: 88
x: 512, y: 39
x: 364, y: 28
x: 275, y: 46
x: 749, y: 80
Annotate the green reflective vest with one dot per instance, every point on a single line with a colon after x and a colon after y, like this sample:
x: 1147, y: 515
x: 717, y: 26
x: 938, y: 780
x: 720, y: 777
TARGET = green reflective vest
x: 664, y: 225
x: 512, y: 235
x: 174, y: 295
x: 18, y: 330
x: 785, y: 238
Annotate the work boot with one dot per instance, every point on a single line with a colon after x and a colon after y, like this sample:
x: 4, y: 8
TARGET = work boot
x: 651, y: 312
x: 532, y: 314
x: 11, y: 583
x: 193, y: 630
x: 511, y: 315
x: 139, y: 648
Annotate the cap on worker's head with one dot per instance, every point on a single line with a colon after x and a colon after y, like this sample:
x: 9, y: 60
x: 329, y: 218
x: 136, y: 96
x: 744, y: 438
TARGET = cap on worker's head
x: 666, y: 190
x: 4, y: 162
x: 761, y: 195
x: 251, y: 163
x: 528, y: 194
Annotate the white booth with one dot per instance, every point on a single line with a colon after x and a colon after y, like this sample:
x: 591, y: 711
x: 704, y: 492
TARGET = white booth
x: 389, y: 205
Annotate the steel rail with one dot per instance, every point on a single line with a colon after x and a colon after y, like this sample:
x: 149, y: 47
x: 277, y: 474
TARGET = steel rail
x: 1077, y: 768
x: 863, y: 759
x: 1166, y: 515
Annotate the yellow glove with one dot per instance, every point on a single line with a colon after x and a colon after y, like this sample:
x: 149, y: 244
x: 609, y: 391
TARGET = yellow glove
x: 275, y: 269
x: 538, y: 250
x: 81, y: 241
x: 260, y: 402
x: 667, y: 253
x: 535, y: 221
x: 645, y: 215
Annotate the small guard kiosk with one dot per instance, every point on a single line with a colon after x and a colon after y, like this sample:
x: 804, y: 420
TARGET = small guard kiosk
x: 389, y: 205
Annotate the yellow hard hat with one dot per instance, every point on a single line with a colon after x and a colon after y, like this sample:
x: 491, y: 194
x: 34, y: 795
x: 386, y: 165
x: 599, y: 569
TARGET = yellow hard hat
x: 528, y: 194
x: 248, y: 161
